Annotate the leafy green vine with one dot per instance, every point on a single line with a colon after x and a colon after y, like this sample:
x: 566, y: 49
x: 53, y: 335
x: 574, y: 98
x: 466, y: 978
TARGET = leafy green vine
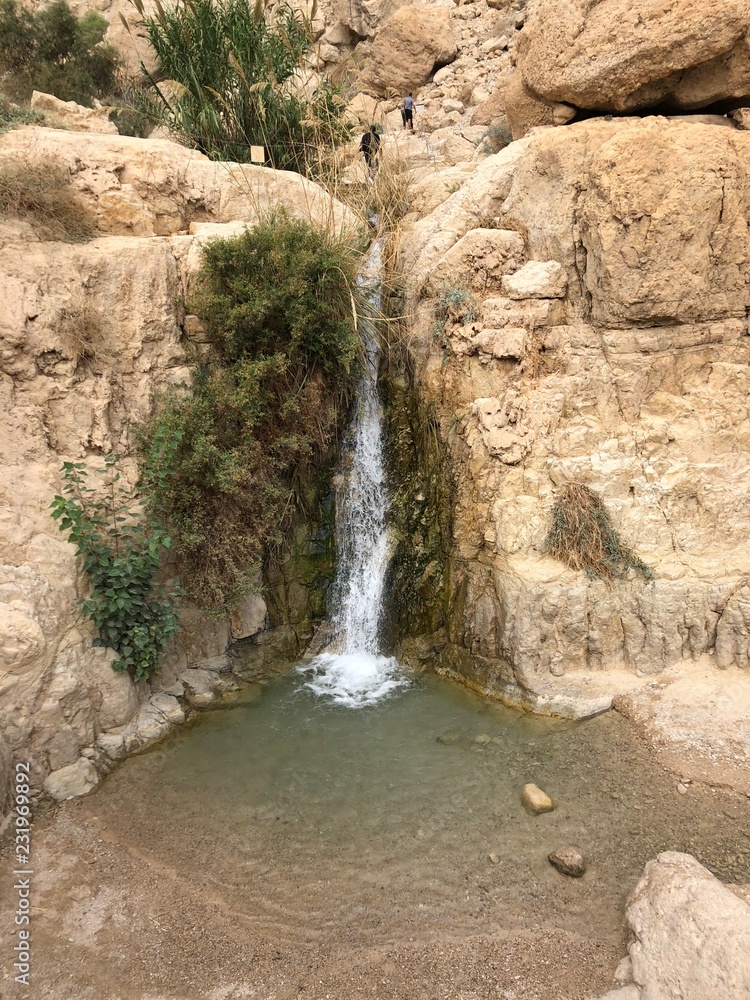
x: 121, y: 552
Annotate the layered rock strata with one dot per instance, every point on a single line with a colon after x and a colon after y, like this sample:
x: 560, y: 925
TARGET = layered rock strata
x: 598, y: 278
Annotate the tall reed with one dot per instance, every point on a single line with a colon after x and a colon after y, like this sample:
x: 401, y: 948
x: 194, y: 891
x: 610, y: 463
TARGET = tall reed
x: 229, y: 81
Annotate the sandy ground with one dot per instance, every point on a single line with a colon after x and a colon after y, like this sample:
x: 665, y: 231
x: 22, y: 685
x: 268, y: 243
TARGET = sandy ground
x: 111, y: 924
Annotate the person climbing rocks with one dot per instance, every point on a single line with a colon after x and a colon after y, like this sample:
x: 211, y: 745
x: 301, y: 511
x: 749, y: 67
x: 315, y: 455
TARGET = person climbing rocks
x: 369, y: 147
x: 407, y: 112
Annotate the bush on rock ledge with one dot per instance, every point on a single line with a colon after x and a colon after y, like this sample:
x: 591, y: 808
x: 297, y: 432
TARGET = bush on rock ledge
x: 221, y: 461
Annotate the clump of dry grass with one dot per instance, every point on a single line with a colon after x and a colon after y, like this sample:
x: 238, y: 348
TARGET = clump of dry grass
x: 583, y: 537
x: 82, y: 330
x: 39, y: 191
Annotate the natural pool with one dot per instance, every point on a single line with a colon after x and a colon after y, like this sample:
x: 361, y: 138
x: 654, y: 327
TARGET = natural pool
x: 404, y: 818
x: 284, y: 847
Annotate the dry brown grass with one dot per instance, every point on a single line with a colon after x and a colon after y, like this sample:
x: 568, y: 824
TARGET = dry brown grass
x: 583, y: 537
x: 39, y: 191
x: 82, y: 331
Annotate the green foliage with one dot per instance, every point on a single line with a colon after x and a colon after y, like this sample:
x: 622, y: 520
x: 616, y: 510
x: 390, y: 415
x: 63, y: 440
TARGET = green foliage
x: 497, y: 137
x: 55, y: 52
x: 277, y: 305
x: 134, y: 111
x: 454, y: 305
x: 229, y: 84
x: 583, y: 537
x: 121, y: 553
x: 11, y: 116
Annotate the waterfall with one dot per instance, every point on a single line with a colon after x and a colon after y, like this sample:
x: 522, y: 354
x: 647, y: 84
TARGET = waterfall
x: 356, y: 674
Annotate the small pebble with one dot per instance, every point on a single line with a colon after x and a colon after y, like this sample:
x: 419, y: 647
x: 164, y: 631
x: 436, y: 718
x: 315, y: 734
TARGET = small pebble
x: 536, y: 800
x: 494, y: 859
x: 682, y: 789
x: 568, y: 861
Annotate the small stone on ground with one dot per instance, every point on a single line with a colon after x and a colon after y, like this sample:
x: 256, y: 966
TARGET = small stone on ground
x: 568, y: 861
x: 536, y: 800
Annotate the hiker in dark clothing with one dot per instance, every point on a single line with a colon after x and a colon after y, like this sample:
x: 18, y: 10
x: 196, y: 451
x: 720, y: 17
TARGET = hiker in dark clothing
x: 407, y: 112
x: 369, y: 147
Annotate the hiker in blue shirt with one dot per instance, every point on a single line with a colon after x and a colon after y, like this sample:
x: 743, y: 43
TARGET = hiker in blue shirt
x: 407, y: 112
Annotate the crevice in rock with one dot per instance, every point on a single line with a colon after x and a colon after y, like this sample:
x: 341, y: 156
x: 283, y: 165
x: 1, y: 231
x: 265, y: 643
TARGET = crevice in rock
x: 665, y: 109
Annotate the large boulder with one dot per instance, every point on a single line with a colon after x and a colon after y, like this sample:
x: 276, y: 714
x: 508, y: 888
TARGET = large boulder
x: 145, y: 187
x: 526, y: 110
x: 617, y: 56
x: 409, y: 47
x: 692, y: 935
x: 72, y: 781
x: 69, y: 115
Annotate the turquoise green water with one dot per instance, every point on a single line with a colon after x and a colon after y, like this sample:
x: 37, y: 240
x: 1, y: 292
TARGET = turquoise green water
x: 380, y: 822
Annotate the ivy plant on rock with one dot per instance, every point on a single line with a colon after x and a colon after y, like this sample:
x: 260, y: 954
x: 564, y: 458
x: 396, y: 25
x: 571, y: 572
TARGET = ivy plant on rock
x: 121, y: 550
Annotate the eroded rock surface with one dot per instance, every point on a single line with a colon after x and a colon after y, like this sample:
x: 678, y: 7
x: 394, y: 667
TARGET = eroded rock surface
x: 413, y: 42
x: 88, y: 334
x: 157, y: 188
x: 614, y: 56
x: 692, y: 935
x: 74, y: 116
x: 634, y: 383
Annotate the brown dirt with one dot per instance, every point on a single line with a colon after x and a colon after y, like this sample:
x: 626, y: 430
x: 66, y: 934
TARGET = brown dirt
x: 111, y: 924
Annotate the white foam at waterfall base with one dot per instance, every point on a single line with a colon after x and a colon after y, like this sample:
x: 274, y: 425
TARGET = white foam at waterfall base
x: 357, y: 674
x: 354, y: 680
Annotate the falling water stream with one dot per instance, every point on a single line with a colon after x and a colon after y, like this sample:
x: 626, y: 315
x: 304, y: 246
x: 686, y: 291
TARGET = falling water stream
x: 315, y: 839
x: 352, y: 671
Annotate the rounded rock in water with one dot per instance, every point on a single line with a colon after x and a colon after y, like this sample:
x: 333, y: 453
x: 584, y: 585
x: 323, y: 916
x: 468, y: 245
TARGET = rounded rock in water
x: 535, y: 800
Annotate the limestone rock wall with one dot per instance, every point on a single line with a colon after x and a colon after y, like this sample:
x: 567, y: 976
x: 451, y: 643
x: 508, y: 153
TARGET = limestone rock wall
x: 690, y: 933
x: 613, y: 55
x: 88, y: 334
x: 598, y: 279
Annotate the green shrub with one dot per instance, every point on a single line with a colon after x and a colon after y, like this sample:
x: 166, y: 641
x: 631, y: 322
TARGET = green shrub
x: 134, y: 111
x: 229, y: 84
x: 55, y: 52
x: 497, y: 137
x: 121, y: 554
x: 11, y: 116
x: 39, y: 190
x: 277, y: 305
x: 452, y: 306
x: 583, y: 537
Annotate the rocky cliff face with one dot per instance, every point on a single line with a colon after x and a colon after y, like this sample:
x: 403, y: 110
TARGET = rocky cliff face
x: 610, y: 56
x: 599, y: 282
x: 88, y: 333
